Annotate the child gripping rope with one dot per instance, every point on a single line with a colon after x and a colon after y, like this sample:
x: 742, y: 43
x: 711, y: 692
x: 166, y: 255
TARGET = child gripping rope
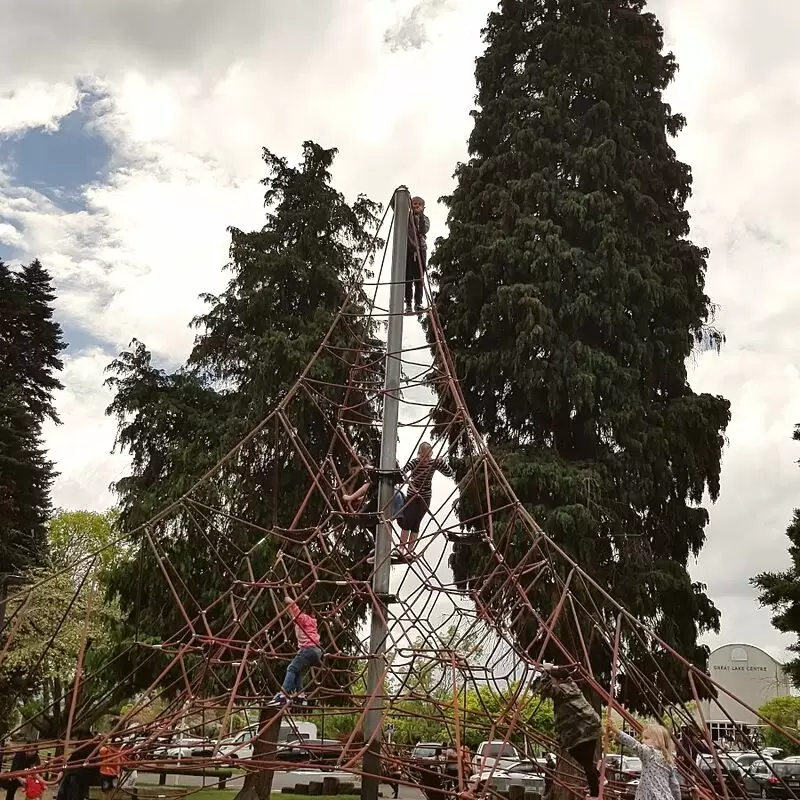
x: 309, y: 654
x: 362, y: 501
x: 659, y: 778
x: 577, y: 722
x: 419, y: 474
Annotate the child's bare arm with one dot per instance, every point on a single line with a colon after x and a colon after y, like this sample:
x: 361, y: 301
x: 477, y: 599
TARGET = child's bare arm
x: 357, y: 494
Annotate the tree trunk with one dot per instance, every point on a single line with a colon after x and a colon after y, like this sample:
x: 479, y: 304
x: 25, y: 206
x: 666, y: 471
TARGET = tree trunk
x: 7, y: 704
x: 258, y: 782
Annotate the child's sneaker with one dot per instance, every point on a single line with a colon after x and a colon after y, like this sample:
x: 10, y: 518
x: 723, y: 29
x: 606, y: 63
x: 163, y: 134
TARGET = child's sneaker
x: 418, y: 309
x: 278, y: 701
x: 409, y: 310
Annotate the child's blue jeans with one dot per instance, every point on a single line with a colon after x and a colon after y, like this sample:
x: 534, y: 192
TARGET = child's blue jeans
x: 305, y: 658
x: 398, y: 501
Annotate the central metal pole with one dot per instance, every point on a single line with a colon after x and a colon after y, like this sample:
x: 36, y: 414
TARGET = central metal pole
x: 376, y: 667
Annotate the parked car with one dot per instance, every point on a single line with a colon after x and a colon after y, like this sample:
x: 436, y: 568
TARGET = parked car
x: 240, y: 745
x: 746, y: 760
x: 427, y: 761
x: 428, y: 751
x: 777, y: 779
x: 732, y: 774
x: 496, y: 779
x: 498, y: 753
x: 312, y: 751
x: 623, y: 768
x: 181, y: 747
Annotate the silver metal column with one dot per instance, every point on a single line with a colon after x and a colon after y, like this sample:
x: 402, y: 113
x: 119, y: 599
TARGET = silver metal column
x: 376, y: 668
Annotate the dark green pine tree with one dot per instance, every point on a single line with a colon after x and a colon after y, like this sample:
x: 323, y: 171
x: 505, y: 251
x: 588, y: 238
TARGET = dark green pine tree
x: 41, y: 342
x: 571, y: 297
x: 288, y: 282
x: 780, y: 591
x: 30, y: 343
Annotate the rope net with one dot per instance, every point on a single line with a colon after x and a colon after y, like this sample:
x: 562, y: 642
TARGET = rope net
x: 472, y: 615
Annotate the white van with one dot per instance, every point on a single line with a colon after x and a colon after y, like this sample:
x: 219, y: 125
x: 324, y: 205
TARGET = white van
x: 240, y: 745
x: 496, y: 754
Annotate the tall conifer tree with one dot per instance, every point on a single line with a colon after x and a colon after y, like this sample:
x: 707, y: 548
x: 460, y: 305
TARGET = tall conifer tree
x: 288, y: 282
x: 30, y: 343
x: 780, y: 591
x: 572, y: 296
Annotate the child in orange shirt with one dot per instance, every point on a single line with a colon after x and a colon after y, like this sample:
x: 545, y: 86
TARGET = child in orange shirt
x: 109, y: 769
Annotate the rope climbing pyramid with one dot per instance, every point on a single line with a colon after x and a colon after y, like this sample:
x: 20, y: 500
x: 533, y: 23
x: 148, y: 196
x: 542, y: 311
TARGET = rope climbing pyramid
x: 377, y: 602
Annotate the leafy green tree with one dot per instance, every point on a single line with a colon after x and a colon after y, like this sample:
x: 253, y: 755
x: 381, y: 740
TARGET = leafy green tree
x: 440, y: 680
x: 571, y: 296
x: 58, y: 615
x: 80, y: 540
x: 781, y: 590
x: 288, y: 283
x: 784, y: 712
x: 483, y: 713
x: 430, y: 670
x: 30, y: 343
x: 505, y: 714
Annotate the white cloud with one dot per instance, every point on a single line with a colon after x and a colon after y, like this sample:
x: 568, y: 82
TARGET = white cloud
x: 193, y: 95
x: 149, y: 242
x: 410, y: 32
x: 36, y: 105
x: 81, y: 446
x: 10, y: 235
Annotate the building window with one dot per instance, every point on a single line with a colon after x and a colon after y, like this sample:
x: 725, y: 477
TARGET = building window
x: 738, y: 654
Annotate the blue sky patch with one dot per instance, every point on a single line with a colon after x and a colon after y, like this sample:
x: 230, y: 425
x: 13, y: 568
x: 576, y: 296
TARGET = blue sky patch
x: 59, y: 163
x: 78, y: 339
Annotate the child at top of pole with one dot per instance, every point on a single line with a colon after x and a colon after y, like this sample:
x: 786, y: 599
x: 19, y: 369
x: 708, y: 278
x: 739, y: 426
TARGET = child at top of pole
x: 309, y: 653
x: 418, y: 227
x: 419, y: 475
x: 416, y: 254
x: 659, y: 778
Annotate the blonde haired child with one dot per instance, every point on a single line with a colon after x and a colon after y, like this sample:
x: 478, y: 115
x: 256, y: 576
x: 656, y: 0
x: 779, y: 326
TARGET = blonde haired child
x: 659, y: 778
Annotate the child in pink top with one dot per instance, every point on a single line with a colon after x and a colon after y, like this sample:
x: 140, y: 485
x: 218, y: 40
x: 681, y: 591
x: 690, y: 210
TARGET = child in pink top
x: 34, y: 787
x: 309, y: 653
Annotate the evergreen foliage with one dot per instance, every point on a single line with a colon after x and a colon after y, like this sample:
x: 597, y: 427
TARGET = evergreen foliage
x: 30, y: 344
x: 288, y: 282
x: 781, y: 591
x: 571, y: 296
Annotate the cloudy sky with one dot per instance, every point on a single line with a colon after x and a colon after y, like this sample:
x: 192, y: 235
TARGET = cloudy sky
x: 130, y: 137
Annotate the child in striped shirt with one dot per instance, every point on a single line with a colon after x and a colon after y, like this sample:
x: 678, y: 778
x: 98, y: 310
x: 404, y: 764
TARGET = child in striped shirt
x: 419, y: 474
